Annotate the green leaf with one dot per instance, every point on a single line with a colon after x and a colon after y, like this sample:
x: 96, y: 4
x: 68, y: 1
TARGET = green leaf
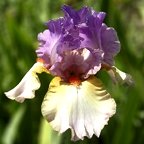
x: 12, y: 128
x: 47, y: 135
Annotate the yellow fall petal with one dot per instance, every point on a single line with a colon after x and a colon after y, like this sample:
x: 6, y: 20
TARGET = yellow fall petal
x: 85, y: 109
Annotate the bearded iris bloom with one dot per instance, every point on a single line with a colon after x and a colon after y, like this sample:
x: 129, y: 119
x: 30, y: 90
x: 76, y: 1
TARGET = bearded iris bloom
x: 74, y: 48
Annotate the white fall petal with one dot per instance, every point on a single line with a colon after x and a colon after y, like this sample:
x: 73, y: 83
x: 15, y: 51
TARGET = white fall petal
x: 85, y: 109
x: 119, y: 76
x: 28, y: 85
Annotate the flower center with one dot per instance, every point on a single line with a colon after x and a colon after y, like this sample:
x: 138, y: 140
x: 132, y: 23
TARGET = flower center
x: 74, y: 80
x: 73, y: 75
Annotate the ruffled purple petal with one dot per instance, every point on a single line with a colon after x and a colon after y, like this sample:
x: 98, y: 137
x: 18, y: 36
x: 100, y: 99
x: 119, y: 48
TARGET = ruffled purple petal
x: 47, y: 47
x: 79, y: 63
x: 64, y: 44
x: 48, y: 42
x: 55, y: 26
x: 82, y: 15
x: 110, y: 44
x: 69, y: 12
x: 91, y: 32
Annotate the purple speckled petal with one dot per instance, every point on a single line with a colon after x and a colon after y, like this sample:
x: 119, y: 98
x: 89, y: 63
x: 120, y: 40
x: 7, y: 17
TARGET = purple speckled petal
x: 110, y: 44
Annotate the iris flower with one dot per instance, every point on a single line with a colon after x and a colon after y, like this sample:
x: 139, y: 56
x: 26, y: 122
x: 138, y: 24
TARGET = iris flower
x: 73, y: 49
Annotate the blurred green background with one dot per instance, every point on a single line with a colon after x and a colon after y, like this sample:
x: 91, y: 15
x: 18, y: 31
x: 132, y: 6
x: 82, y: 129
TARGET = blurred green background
x: 20, y: 22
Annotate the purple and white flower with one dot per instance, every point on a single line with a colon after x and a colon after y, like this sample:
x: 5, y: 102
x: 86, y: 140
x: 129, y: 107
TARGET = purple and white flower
x: 74, y: 48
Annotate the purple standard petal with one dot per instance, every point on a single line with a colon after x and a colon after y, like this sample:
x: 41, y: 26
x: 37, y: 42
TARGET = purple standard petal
x: 110, y: 44
x: 55, y: 26
x: 70, y: 41
x: 82, y: 15
x: 71, y: 13
x: 79, y: 16
x: 47, y: 47
x: 48, y: 42
x: 97, y: 35
x: 78, y: 43
x: 91, y: 33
